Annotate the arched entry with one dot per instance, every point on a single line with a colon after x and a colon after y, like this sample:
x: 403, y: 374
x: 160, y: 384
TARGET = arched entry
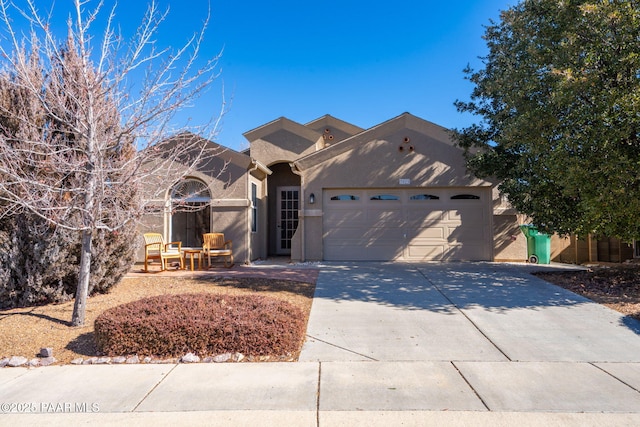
x: 190, y: 212
x: 284, y: 203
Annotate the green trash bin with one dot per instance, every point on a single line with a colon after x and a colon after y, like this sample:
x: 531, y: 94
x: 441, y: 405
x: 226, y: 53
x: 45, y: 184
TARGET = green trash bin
x: 538, y: 245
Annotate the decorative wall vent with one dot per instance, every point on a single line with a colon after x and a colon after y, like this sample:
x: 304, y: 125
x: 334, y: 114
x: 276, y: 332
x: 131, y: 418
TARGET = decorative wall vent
x: 405, y: 145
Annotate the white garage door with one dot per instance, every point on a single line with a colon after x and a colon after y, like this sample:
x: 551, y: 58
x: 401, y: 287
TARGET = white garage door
x: 409, y: 224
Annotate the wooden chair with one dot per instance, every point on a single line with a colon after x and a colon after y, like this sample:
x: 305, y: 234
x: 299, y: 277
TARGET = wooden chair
x: 213, y: 244
x: 156, y: 248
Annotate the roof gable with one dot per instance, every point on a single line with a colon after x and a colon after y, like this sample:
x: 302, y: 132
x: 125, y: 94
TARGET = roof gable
x: 332, y: 129
x: 219, y: 152
x: 403, y: 121
x: 280, y: 124
x: 403, y: 147
x: 282, y: 140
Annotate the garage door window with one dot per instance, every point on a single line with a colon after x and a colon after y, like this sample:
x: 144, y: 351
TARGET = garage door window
x: 465, y: 197
x: 424, y: 197
x: 385, y: 197
x: 345, y: 197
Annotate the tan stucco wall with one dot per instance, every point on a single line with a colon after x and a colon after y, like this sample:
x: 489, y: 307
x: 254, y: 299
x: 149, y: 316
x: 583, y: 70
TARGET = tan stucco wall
x: 226, y: 176
x: 509, y: 242
x: 258, y: 239
x: 380, y: 163
x: 233, y: 222
x: 281, y: 146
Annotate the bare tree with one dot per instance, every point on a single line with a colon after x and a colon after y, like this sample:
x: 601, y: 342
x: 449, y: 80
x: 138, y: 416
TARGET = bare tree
x: 85, y: 122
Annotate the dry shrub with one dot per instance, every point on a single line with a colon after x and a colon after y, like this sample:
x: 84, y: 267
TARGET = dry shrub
x: 203, y: 324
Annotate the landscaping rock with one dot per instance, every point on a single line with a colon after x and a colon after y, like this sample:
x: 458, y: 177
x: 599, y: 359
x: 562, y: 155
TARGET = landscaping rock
x: 16, y: 361
x: 146, y: 360
x: 102, y: 361
x: 118, y: 360
x: 34, y: 363
x: 221, y: 358
x: 207, y: 359
x: 238, y: 357
x: 4, y: 362
x: 77, y: 361
x: 133, y: 359
x: 189, y: 358
x: 46, y: 352
x: 90, y: 361
x: 46, y: 361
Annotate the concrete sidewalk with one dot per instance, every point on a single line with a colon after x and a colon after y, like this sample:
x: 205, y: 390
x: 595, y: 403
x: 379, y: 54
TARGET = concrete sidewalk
x: 323, y: 393
x: 388, y: 344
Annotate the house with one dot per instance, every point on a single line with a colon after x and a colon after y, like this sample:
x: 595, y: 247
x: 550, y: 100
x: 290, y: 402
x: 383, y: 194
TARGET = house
x: 330, y: 190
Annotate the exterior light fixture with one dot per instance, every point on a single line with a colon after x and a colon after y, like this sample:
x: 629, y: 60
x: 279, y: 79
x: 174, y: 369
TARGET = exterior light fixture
x: 312, y: 198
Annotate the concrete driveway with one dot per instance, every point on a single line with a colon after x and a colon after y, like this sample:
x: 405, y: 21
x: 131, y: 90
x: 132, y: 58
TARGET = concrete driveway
x: 462, y: 312
x: 468, y: 336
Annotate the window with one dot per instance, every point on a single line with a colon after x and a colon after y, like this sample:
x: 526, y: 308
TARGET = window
x: 465, y: 197
x: 424, y: 197
x: 384, y: 197
x: 190, y: 212
x: 254, y: 207
x: 345, y: 197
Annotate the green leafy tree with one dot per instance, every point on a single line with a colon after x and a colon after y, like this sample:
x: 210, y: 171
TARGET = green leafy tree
x: 559, y: 102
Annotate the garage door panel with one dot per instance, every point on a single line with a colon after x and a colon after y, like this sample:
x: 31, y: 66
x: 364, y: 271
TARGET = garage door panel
x: 424, y: 217
x: 468, y: 213
x: 422, y: 228
x: 435, y: 232
x: 354, y: 251
x: 427, y: 252
x: 393, y: 234
x: 343, y: 233
x: 345, y: 217
x: 383, y: 217
x: 381, y: 251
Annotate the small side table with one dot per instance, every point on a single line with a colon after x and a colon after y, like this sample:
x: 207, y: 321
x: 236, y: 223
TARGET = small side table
x: 191, y: 253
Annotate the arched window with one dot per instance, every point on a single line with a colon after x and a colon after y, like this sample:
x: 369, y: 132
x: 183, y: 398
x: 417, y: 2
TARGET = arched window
x: 465, y: 197
x: 384, y: 197
x: 424, y: 197
x: 190, y: 212
x: 345, y: 197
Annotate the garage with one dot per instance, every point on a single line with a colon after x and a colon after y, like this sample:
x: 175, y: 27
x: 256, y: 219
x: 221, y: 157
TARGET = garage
x: 417, y: 224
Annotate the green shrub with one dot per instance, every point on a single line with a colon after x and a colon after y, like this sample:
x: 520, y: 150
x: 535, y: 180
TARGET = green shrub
x: 203, y: 324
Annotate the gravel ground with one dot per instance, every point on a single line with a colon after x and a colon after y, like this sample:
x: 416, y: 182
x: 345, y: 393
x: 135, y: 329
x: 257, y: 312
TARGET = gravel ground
x: 24, y: 331
x: 615, y: 285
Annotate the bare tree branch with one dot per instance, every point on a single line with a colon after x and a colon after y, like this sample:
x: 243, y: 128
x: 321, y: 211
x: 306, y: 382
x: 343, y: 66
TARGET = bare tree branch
x: 82, y: 134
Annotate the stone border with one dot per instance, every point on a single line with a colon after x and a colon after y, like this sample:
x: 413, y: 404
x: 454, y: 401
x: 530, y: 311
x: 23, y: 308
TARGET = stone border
x: 20, y: 361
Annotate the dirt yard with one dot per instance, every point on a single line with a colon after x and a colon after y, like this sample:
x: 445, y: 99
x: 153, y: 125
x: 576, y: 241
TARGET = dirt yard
x: 615, y: 285
x: 24, y: 331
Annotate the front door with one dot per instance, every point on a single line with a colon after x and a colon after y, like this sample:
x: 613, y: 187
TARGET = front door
x: 287, y: 217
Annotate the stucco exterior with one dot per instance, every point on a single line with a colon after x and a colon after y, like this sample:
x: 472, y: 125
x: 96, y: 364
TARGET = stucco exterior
x: 227, y: 176
x: 329, y: 189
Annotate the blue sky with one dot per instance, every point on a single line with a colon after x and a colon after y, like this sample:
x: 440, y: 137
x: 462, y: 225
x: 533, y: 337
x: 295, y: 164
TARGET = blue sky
x: 363, y: 62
